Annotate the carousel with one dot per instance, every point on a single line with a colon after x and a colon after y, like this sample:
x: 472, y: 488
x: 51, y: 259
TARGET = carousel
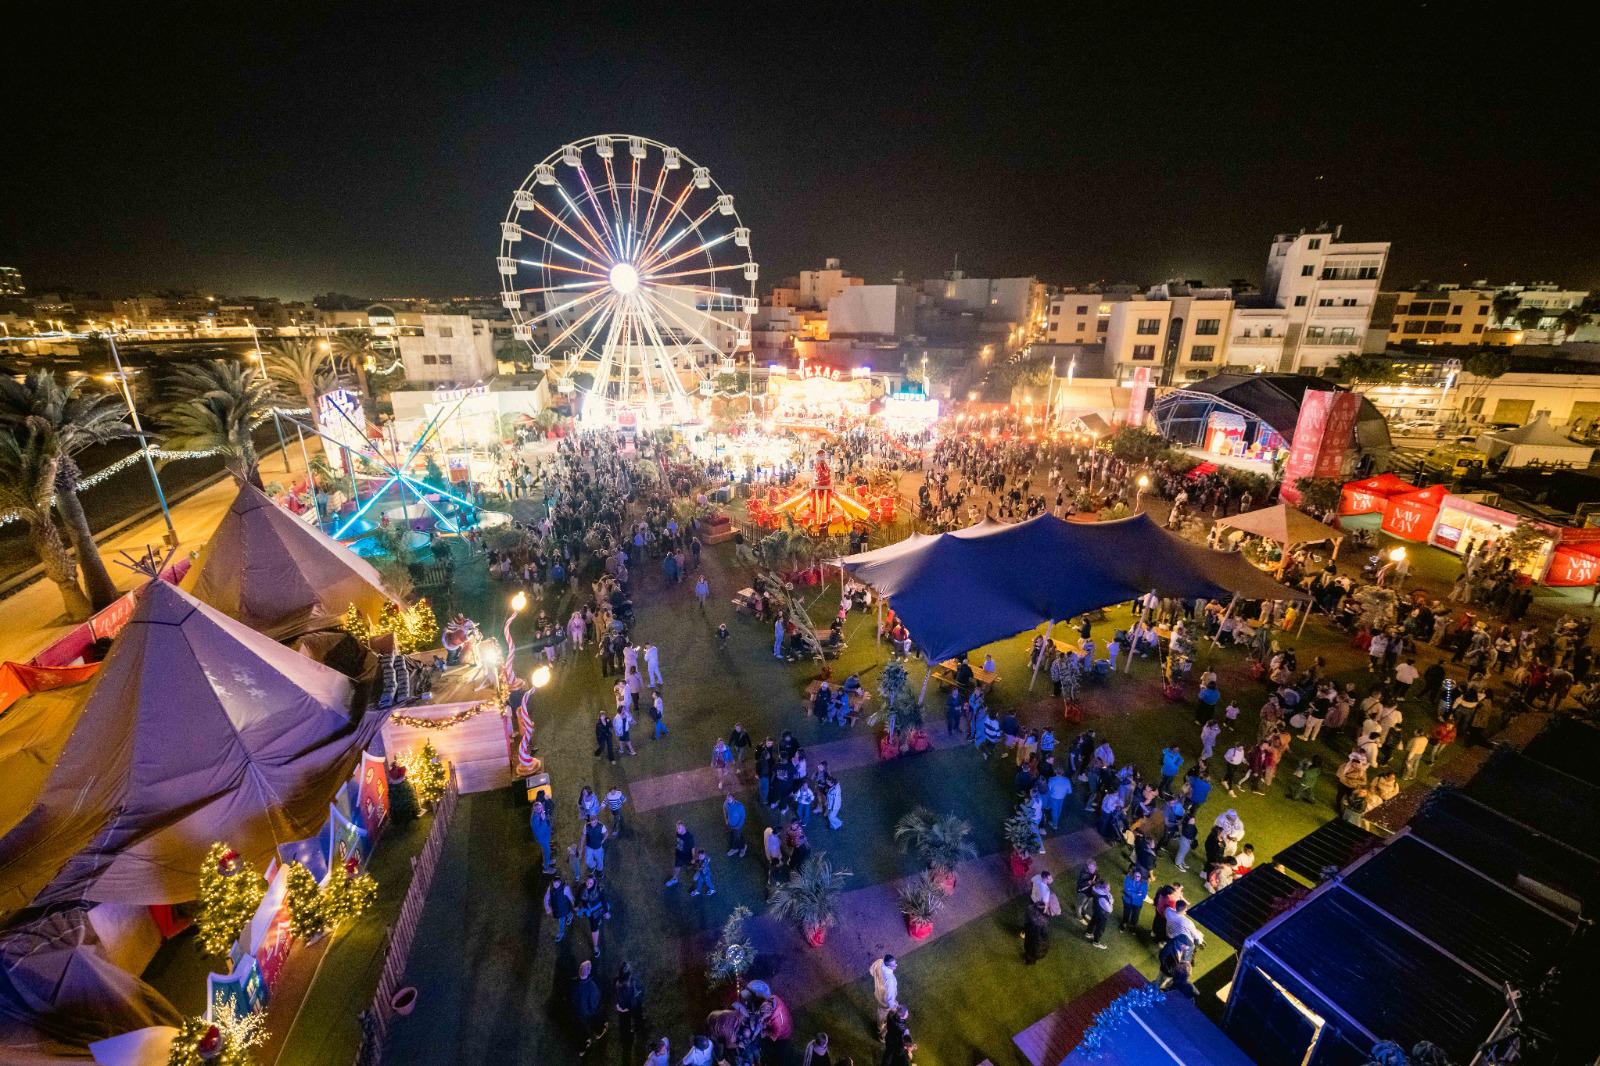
x: 821, y: 509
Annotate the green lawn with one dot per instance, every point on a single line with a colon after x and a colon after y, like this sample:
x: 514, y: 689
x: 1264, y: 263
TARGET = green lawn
x: 493, y: 986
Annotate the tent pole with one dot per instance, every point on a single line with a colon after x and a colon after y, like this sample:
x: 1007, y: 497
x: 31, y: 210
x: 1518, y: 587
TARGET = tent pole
x: 1216, y: 639
x: 880, y: 617
x: 1304, y: 618
x: 1037, y: 659
x: 927, y: 672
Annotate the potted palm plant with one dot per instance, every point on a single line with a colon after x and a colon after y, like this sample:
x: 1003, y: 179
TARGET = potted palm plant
x: 943, y: 842
x: 810, y: 898
x: 1023, y: 837
x: 920, y: 899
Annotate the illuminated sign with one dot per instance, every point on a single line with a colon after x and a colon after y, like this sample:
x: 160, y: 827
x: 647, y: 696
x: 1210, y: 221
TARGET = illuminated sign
x: 910, y: 407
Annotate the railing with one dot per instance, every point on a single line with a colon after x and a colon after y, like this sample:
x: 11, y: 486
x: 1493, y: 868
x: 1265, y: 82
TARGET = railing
x: 397, y: 939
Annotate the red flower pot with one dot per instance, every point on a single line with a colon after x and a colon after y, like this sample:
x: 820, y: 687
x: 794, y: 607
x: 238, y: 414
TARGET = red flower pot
x: 816, y: 936
x: 1020, y: 864
x: 919, y: 928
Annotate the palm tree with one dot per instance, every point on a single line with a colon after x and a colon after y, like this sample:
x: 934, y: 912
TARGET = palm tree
x: 1569, y: 321
x: 72, y: 422
x: 810, y: 898
x: 216, y: 405
x: 1505, y: 304
x: 303, y: 367
x: 355, y: 352
x: 943, y: 841
x: 1529, y: 317
x: 29, y: 459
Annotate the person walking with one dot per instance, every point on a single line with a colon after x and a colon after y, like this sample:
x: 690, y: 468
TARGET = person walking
x: 739, y: 744
x: 652, y: 662
x: 614, y: 801
x: 804, y: 798
x: 898, y: 1046
x: 1135, y: 890
x: 733, y: 817
x: 1099, y: 911
x: 702, y: 589
x: 1188, y: 836
x: 543, y: 835
x: 586, y: 1005
x: 658, y: 715
x: 604, y: 740
x: 622, y: 725
x: 558, y: 904
x: 627, y: 999
x: 885, y: 988
x: 682, y: 854
x: 595, y: 908
x: 700, y: 862
x: 594, y: 844
x: 833, y: 798
x: 1035, y: 933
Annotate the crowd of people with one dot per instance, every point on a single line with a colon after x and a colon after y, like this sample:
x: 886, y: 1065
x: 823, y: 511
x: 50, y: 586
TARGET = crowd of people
x: 1440, y: 672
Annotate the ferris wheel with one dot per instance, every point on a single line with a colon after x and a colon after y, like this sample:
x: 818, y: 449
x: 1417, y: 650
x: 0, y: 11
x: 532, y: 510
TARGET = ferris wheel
x: 628, y: 275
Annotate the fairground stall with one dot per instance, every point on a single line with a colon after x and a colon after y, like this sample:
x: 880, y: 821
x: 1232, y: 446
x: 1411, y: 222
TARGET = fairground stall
x: 823, y: 509
x: 1252, y: 417
x: 820, y: 397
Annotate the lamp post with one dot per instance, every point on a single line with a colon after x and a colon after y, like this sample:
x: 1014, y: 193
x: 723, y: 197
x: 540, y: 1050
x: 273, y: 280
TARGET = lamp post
x: 1138, y: 497
x: 144, y: 444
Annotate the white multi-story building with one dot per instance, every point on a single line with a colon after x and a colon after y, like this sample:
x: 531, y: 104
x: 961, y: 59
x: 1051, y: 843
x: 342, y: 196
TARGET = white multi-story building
x: 1325, y: 288
x: 454, y: 348
x: 1082, y: 317
x: 880, y: 311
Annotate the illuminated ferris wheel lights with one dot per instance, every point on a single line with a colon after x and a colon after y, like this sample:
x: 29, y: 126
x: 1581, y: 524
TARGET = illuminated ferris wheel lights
x: 625, y: 279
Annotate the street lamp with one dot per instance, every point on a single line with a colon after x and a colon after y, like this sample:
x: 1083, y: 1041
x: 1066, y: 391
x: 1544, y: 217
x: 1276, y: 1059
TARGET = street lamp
x: 121, y: 377
x: 540, y: 676
x: 1144, y: 483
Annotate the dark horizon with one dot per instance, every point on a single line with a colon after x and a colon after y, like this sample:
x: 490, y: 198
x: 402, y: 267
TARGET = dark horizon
x: 339, y: 151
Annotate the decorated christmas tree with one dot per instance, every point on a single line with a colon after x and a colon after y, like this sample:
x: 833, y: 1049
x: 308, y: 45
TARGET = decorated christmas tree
x: 315, y: 909
x: 403, y: 806
x: 425, y: 771
x: 226, y: 1041
x: 356, y: 624
x: 230, y: 891
x: 421, y: 627
x: 303, y: 898
x: 392, y: 619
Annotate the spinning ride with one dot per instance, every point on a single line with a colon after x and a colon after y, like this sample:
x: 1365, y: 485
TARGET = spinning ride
x: 822, y: 510
x: 627, y: 271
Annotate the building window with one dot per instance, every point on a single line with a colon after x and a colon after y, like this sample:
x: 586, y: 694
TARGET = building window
x: 1434, y: 327
x: 1207, y: 327
x: 1144, y: 351
x: 1314, y: 334
x: 1452, y: 327
x: 1299, y: 301
x: 1083, y: 309
x: 1100, y: 326
x: 446, y: 360
x: 1483, y: 309
x: 1349, y: 301
x: 430, y: 360
x: 1314, y: 243
x: 1402, y: 309
x: 1326, y: 301
x: 1305, y: 271
x: 1149, y: 327
x: 1456, y: 309
x: 1202, y: 353
x: 447, y: 331
x: 1477, y: 327
x: 1413, y: 327
x: 1342, y: 335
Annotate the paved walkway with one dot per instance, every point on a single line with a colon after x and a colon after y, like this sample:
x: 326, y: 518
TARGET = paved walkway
x: 32, y: 617
x: 870, y: 923
x: 857, y: 749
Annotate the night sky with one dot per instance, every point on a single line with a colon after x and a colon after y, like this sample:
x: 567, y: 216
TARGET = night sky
x: 279, y: 150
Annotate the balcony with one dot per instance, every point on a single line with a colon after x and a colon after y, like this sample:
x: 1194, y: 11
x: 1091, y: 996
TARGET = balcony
x: 1275, y: 341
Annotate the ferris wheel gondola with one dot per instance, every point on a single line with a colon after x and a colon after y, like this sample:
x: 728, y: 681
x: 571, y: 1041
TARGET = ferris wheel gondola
x: 628, y: 274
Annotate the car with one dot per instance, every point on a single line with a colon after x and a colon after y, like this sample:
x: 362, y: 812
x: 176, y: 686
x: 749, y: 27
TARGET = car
x: 1415, y: 427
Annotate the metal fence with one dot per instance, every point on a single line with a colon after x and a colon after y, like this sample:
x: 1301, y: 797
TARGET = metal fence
x: 375, y: 1019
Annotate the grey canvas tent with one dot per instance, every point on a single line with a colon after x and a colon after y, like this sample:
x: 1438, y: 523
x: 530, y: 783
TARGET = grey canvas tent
x: 1536, y: 442
x: 197, y: 729
x: 59, y: 992
x: 962, y: 590
x: 273, y: 572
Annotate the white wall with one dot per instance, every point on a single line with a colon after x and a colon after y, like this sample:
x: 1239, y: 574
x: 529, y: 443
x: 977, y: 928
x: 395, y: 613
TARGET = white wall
x: 872, y: 310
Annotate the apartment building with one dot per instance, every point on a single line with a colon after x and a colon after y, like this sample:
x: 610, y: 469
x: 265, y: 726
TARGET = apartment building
x: 1324, y: 288
x: 1445, y: 317
x: 817, y: 288
x: 1074, y: 317
x: 448, y: 348
x: 1179, y: 331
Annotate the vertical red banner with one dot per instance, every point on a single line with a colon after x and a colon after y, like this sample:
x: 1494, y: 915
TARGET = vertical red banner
x: 1306, y: 447
x: 1141, y: 387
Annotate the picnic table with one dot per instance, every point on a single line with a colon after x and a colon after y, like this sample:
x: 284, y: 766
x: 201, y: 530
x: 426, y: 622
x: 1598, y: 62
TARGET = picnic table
x: 946, y: 673
x: 858, y: 699
x: 743, y: 599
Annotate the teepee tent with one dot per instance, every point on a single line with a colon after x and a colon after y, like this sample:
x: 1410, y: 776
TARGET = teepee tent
x: 197, y: 729
x: 277, y: 574
x: 1536, y: 442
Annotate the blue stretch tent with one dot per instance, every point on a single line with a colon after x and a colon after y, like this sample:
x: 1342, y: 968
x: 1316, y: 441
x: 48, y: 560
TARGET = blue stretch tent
x: 958, y: 591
